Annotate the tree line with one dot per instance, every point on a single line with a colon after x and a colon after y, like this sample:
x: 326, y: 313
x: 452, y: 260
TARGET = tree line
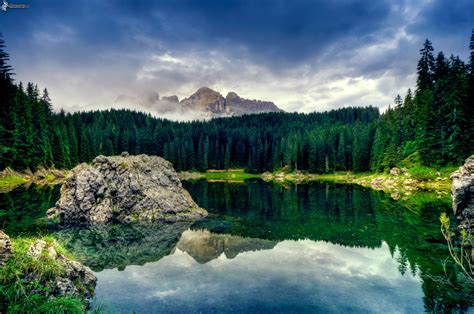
x: 433, y: 126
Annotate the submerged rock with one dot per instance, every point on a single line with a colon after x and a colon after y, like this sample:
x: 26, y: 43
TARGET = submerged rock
x: 124, y: 188
x: 5, y: 248
x: 463, y: 194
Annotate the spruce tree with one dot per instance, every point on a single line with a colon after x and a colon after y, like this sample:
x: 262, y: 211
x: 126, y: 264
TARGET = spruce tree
x: 425, y: 67
x: 5, y: 68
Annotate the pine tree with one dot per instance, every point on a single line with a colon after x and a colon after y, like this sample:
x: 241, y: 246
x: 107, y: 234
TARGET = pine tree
x: 425, y: 67
x: 5, y: 68
x: 426, y: 135
x: 341, y: 152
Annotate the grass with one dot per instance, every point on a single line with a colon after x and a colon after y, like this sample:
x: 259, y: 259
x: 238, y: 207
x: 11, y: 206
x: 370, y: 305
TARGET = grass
x: 11, y: 180
x: 423, y: 173
x: 227, y: 175
x: 50, y: 177
x: 24, y: 281
x: 340, y: 176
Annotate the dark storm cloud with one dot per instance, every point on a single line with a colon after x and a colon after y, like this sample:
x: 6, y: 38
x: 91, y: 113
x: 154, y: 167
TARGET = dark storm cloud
x: 445, y: 18
x: 91, y: 51
x: 281, y: 31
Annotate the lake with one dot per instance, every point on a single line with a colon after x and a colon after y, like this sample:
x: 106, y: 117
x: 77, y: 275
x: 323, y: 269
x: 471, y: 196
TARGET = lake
x: 264, y: 248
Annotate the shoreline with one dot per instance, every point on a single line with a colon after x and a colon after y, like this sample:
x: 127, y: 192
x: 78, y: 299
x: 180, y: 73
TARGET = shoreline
x: 399, y: 180
x: 11, y: 179
x: 397, y: 183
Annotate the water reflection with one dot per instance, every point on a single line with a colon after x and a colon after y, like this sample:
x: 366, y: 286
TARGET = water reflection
x: 118, y: 246
x: 264, y: 247
x: 204, y: 246
x: 23, y: 209
x: 295, y: 276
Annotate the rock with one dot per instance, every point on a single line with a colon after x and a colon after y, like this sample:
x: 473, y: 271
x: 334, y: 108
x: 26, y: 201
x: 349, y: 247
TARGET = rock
x: 186, y: 175
x: 64, y: 286
x: 36, y: 249
x: 5, y: 248
x: 124, y: 188
x: 240, y: 106
x: 463, y: 193
x: 395, y: 195
x: 396, y: 171
x: 267, y: 176
x: 76, y: 281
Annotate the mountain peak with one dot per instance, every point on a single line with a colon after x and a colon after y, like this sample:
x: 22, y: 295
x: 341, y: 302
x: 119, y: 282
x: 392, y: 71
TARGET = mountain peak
x: 232, y: 95
x: 205, y: 90
x: 205, y: 99
x: 213, y: 104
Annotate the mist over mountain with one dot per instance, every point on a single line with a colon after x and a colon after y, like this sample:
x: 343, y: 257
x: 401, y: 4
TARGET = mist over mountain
x: 204, y: 104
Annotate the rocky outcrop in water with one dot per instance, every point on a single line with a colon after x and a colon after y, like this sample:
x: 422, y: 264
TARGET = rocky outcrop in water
x: 124, y: 188
x: 463, y: 194
x: 5, y: 247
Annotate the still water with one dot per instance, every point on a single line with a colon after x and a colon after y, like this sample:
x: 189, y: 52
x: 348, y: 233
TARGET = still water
x: 268, y: 248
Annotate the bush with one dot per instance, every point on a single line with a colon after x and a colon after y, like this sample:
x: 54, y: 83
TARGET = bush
x: 423, y: 173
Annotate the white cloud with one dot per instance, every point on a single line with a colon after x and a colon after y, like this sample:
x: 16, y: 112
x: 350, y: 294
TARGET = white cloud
x: 315, y: 274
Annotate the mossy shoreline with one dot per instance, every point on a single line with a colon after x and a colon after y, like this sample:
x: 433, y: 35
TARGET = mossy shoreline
x: 227, y: 175
x: 398, y: 180
x: 10, y: 179
x: 26, y: 282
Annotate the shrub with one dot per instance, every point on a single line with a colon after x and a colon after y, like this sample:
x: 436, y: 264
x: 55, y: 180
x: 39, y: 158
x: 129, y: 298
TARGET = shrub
x: 423, y: 173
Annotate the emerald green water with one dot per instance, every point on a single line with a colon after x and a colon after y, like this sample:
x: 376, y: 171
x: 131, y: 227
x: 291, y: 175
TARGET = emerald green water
x: 266, y: 248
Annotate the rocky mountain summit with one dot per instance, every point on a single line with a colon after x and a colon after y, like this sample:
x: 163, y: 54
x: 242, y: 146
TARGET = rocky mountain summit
x: 124, y: 188
x: 463, y: 194
x: 205, y: 103
x: 213, y: 104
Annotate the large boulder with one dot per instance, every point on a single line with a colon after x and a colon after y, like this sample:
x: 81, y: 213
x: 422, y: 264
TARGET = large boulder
x: 124, y: 188
x: 463, y: 193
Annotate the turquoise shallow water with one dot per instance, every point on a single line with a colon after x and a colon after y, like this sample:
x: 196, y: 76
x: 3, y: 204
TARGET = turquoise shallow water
x: 268, y: 248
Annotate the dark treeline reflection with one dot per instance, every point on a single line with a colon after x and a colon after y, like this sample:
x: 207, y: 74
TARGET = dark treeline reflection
x: 316, y: 212
x: 23, y: 209
x: 348, y: 215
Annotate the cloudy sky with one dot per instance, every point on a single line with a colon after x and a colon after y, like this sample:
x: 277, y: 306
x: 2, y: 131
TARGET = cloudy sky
x: 302, y: 55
